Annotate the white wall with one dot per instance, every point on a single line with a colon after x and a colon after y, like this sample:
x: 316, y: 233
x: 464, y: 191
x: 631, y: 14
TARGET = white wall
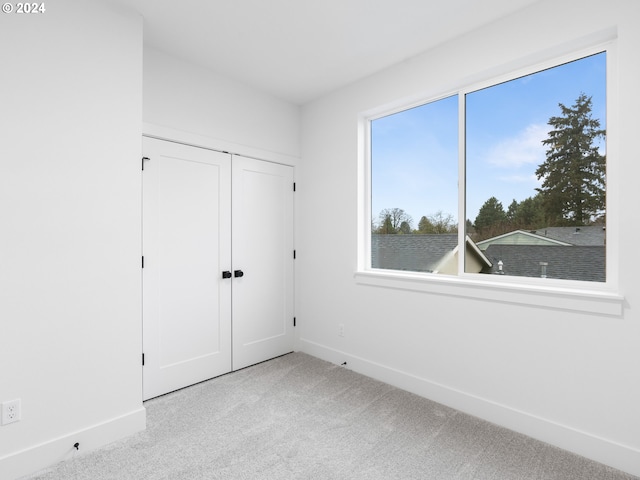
x: 70, y: 289
x: 567, y: 377
x: 70, y: 245
x: 70, y: 190
x: 205, y: 108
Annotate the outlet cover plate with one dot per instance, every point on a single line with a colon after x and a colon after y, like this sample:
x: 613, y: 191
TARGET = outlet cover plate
x: 11, y: 411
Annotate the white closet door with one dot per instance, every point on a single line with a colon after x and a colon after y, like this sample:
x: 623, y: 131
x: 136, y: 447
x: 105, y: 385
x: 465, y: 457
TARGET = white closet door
x: 186, y: 247
x: 262, y: 209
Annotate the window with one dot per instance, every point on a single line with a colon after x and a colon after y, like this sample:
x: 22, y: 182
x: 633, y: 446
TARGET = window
x: 414, y: 182
x: 530, y: 153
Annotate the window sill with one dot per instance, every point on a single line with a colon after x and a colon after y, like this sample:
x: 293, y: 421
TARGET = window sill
x: 596, y: 301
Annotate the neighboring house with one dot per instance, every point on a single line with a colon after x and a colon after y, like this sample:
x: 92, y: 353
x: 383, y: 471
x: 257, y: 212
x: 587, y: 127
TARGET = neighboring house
x: 476, y: 262
x: 586, y: 263
x: 569, y: 253
x: 566, y: 236
x: 520, y: 237
x: 424, y: 253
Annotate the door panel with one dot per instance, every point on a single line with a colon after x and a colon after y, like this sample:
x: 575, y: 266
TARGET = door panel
x: 186, y: 246
x: 263, y: 249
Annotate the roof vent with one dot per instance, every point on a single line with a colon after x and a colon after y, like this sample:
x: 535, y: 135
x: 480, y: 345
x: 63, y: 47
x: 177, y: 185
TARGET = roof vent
x: 543, y: 269
x: 577, y: 231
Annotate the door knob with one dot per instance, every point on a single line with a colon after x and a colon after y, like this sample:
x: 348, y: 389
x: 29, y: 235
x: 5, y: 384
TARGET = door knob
x: 226, y: 274
x: 238, y: 273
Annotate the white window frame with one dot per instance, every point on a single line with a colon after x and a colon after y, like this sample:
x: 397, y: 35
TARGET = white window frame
x: 601, y: 298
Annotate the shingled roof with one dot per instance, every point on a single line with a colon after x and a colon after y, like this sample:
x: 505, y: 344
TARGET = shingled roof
x: 586, y: 263
x: 416, y: 253
x: 592, y: 235
x: 567, y: 253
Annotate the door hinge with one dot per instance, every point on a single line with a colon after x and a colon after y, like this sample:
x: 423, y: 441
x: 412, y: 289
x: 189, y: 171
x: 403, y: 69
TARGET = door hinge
x: 143, y: 359
x: 143, y: 160
x: 143, y: 261
x: 294, y: 186
x: 294, y: 321
x: 294, y: 254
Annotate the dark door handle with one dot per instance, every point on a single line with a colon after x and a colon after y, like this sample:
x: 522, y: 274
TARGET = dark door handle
x: 226, y: 274
x: 238, y: 273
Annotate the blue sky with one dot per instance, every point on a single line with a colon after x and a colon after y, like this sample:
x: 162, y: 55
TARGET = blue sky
x: 415, y: 152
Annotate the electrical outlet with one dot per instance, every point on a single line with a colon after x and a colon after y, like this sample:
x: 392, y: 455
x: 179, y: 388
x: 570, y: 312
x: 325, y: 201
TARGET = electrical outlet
x: 341, y: 330
x: 10, y: 411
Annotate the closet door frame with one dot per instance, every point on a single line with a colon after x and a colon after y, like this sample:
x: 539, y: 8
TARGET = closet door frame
x: 159, y: 133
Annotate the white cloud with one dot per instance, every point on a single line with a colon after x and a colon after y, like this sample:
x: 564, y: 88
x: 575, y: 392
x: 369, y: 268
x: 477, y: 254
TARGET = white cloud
x: 525, y: 148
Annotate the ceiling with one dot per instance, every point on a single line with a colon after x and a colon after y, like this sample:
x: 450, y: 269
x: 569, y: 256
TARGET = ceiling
x: 299, y: 50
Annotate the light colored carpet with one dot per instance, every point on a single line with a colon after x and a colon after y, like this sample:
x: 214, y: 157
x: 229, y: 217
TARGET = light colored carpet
x: 297, y: 417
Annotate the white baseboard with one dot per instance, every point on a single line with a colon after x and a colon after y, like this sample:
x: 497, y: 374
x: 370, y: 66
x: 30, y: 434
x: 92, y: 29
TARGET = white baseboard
x: 602, y: 450
x: 46, y: 454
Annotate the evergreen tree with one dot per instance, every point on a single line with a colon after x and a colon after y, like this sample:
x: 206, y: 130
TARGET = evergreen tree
x: 573, y: 187
x: 425, y: 226
x: 512, y: 212
x: 386, y: 226
x: 491, y: 215
x: 530, y: 213
x: 405, y: 228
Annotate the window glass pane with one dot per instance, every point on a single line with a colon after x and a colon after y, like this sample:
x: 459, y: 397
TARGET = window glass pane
x: 535, y: 173
x: 414, y: 188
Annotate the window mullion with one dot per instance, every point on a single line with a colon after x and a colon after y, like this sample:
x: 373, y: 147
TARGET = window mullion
x: 462, y: 183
